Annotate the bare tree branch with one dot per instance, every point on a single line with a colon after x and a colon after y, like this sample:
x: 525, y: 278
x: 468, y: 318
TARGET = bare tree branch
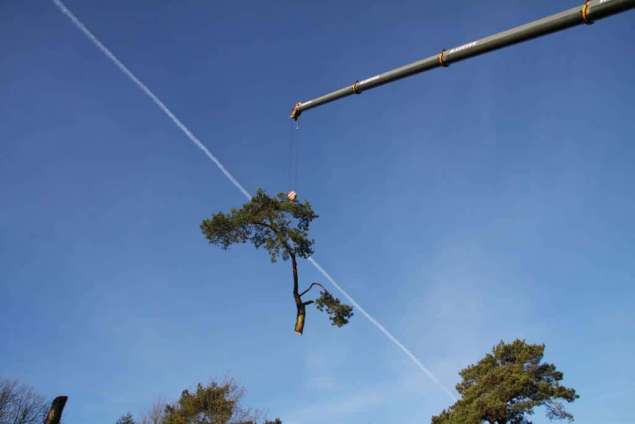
x: 311, y: 286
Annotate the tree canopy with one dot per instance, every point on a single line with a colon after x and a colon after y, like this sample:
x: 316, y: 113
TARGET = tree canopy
x: 211, y: 404
x: 280, y: 226
x: 506, y: 386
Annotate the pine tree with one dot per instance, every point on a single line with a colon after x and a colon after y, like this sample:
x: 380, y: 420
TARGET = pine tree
x: 506, y: 386
x: 281, y: 226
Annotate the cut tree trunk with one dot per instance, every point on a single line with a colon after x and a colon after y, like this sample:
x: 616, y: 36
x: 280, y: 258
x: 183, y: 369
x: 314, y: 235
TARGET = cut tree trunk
x: 301, y: 309
x: 55, y: 413
x: 299, y: 320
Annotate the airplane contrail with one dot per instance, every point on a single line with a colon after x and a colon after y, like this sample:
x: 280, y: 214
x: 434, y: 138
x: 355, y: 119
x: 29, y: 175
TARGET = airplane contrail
x: 383, y: 329
x: 123, y: 68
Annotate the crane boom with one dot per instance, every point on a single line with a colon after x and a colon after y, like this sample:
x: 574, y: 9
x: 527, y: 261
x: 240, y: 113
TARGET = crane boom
x: 587, y: 13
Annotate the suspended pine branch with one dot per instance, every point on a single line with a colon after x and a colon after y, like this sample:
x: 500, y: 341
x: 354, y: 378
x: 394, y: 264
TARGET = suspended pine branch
x: 280, y: 226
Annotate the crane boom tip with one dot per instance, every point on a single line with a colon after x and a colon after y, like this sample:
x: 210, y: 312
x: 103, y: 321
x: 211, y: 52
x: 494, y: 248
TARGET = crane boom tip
x: 295, y: 112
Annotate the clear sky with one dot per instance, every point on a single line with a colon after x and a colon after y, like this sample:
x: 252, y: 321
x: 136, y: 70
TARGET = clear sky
x: 486, y: 201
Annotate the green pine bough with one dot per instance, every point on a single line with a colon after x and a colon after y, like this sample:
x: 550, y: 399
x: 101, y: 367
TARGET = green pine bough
x: 281, y: 226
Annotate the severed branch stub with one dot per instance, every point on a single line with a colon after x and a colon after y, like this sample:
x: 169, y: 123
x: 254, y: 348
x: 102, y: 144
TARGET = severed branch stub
x: 280, y: 226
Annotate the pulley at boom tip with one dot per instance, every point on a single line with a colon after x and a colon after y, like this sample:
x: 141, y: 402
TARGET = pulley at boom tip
x: 295, y: 111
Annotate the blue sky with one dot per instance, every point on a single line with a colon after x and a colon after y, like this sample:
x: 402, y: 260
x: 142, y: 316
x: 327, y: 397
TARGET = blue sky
x: 486, y: 201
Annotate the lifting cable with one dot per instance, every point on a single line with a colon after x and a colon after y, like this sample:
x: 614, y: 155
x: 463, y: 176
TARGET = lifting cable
x: 294, y: 162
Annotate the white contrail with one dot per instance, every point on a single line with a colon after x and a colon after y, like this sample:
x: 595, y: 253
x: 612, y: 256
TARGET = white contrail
x: 383, y: 329
x: 123, y: 68
x: 150, y: 94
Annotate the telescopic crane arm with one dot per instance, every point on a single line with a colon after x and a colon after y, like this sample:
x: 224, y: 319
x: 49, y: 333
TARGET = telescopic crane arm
x: 587, y: 13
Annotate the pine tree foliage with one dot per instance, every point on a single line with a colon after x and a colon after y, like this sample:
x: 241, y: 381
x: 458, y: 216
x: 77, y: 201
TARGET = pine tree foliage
x: 339, y: 313
x: 274, y: 223
x: 506, y: 386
